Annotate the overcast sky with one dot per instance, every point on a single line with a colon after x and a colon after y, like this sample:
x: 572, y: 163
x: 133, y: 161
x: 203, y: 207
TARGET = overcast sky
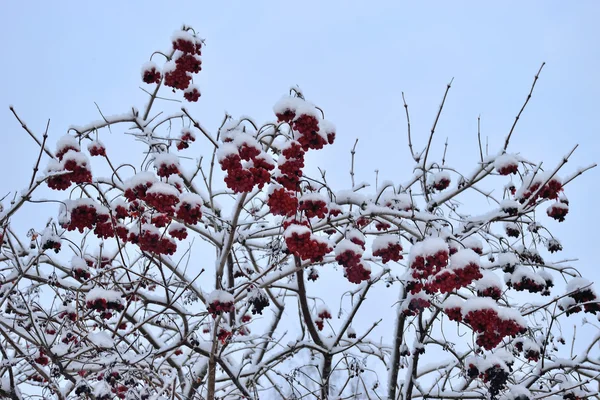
x: 352, y: 58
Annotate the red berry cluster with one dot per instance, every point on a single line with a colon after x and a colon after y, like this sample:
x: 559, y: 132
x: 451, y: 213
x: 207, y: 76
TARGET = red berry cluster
x: 73, y: 168
x: 431, y: 264
x: 191, y: 94
x: 217, y: 308
x: 493, y: 292
x: 97, y: 149
x: 290, y: 166
x: 150, y: 240
x: 160, y: 220
x: 393, y: 252
x: 313, y: 275
x: 162, y: 202
x: 354, y: 268
x: 305, y: 245
x: 491, y: 328
x: 105, y: 306
x: 441, y: 184
x: 321, y: 317
x: 246, y: 318
x: 41, y: 358
x: 583, y: 297
x: 137, y: 192
x: 282, y: 202
x: 416, y: 306
x: 382, y: 226
x: 528, y: 284
x: 308, y: 128
x: 151, y: 74
x: 167, y: 169
x: 178, y: 232
x: 223, y: 335
x: 187, y: 62
x: 313, y: 208
x: 185, y: 139
x: 188, y: 212
x: 550, y: 191
x: 454, y: 313
x: 512, y: 230
x: 508, y: 168
x: 447, y: 281
x: 81, y: 274
x: 83, y: 216
x: 240, y: 179
x: 558, y: 211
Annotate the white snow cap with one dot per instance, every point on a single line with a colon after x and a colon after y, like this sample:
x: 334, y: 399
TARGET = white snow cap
x: 489, y: 280
x: 166, y: 159
x: 99, y: 293
x: 347, y: 245
x: 427, y: 247
x: 221, y: 296
x: 384, y: 241
x: 67, y: 141
x: 505, y: 160
x: 462, y: 258
x: 161, y: 188
x: 141, y: 178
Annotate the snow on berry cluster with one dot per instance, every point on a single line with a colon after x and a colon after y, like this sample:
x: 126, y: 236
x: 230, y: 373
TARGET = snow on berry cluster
x: 187, y: 136
x: 523, y: 278
x: 178, y: 71
x: 219, y: 302
x: 464, y: 268
x: 348, y: 253
x: 311, y: 130
x: 301, y: 242
x: 104, y: 301
x: 387, y: 247
x: 70, y: 166
x: 538, y: 185
x: 440, y: 180
x: 491, y: 322
x: 323, y: 313
x: 254, y: 171
x: 581, y: 297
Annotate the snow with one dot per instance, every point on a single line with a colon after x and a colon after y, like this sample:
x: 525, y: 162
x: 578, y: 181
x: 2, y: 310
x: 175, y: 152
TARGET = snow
x: 384, y: 241
x: 314, y: 197
x: 576, y: 284
x: 478, y: 303
x: 429, y: 246
x: 453, y: 302
x: 472, y: 242
x: 183, y: 35
x: 287, y: 103
x: 509, y: 204
x: 149, y: 66
x: 166, y: 159
x: 489, y: 280
x: 507, y: 259
x: 79, y: 158
x: 191, y: 198
x: 67, y: 141
x: 161, y: 188
x: 522, y: 272
x: 99, y: 293
x: 247, y: 140
x: 101, y: 339
x: 221, y: 296
x: 297, y: 229
x: 226, y: 150
x: 141, y: 178
x: 505, y: 160
x: 462, y: 258
x: 347, y: 245
x: 439, y: 176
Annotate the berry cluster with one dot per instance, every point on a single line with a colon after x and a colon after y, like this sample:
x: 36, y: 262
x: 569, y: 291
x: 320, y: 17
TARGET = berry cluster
x: 162, y: 201
x: 223, y: 335
x: 424, y: 266
x: 282, y: 202
x: 51, y: 244
x: 454, y: 313
x: 301, y: 242
x: 178, y: 75
x: 313, y: 275
x: 82, y: 216
x: 151, y: 240
x: 186, y: 137
x: 290, y: 165
x: 313, y: 208
x: 72, y: 166
x: 189, y: 208
x: 512, y: 230
x: 96, y: 148
x: 530, y: 285
x: 393, y: 252
x: 41, y: 358
x: 493, y: 292
x: 242, y: 179
x: 558, y: 211
x: 166, y: 167
x: 553, y: 245
x: 178, y: 231
x: 151, y: 73
x: 348, y: 254
x: 217, y: 307
x: 550, y: 190
x: 491, y: 328
x: 496, y: 377
x: 322, y: 315
x: 105, y: 307
x: 416, y: 305
x: 259, y: 300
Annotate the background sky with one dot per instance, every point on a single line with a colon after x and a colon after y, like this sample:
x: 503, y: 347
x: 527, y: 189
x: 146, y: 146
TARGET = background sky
x: 352, y: 58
